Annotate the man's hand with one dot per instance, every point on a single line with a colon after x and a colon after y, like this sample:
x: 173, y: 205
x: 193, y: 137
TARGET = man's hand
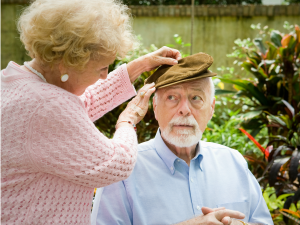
x: 218, y: 216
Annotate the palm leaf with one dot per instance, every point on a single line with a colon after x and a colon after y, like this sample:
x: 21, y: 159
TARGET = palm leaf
x: 261, y: 148
x: 249, y: 87
x: 293, y: 170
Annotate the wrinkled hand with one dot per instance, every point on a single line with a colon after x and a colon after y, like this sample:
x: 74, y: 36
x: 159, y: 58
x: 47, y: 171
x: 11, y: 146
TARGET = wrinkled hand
x: 226, y: 220
x: 164, y: 55
x: 217, y: 216
x: 137, y: 108
x: 151, y: 61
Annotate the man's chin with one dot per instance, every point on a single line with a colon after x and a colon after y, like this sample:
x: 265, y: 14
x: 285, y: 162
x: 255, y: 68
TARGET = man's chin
x: 181, y: 140
x: 182, y: 131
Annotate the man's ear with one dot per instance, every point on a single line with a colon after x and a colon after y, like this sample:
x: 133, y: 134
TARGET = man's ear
x: 154, y: 102
x: 212, y: 108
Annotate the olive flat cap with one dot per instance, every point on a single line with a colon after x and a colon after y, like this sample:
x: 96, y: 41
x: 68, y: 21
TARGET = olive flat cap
x: 189, y: 68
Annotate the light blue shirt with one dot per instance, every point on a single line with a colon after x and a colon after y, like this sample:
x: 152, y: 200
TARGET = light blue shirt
x: 163, y: 189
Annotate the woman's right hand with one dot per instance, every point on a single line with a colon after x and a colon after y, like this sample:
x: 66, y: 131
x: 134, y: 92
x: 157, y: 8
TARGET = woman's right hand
x: 137, y: 107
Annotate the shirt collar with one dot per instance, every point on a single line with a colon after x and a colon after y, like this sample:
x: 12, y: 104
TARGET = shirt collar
x: 168, y: 156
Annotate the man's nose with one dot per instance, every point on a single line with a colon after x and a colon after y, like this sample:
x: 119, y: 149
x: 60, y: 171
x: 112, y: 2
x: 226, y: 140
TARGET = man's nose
x: 184, y: 108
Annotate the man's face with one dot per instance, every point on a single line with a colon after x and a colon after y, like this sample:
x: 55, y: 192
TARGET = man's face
x: 183, y: 111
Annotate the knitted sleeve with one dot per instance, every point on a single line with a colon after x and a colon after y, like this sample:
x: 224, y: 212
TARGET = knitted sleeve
x: 105, y: 95
x: 63, y: 141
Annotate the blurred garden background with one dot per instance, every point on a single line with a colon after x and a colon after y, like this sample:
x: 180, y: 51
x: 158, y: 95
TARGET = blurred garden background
x: 255, y: 45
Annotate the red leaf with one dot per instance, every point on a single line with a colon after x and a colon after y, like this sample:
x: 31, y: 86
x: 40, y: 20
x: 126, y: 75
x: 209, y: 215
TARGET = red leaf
x: 297, y: 29
x: 262, y: 149
x: 285, y: 40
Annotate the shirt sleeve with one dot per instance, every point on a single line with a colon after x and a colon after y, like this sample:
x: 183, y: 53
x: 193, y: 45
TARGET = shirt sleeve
x: 105, y: 95
x: 259, y: 212
x: 63, y: 141
x: 114, y: 206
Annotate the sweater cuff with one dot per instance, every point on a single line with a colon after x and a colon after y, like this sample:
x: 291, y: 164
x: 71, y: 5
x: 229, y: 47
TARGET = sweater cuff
x: 128, y: 88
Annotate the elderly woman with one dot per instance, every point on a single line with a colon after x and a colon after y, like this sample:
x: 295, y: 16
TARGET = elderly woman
x: 52, y: 154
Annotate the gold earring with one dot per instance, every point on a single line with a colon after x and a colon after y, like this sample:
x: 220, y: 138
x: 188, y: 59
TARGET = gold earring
x: 64, y: 77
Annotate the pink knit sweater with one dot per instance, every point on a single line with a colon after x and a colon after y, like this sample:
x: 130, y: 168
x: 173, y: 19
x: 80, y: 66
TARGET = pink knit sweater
x: 53, y: 156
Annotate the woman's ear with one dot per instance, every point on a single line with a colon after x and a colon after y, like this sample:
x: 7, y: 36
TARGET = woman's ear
x: 62, y: 69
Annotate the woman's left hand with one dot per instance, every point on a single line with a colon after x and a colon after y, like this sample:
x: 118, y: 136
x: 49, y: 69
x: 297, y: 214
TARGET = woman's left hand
x: 151, y: 61
x: 164, y: 55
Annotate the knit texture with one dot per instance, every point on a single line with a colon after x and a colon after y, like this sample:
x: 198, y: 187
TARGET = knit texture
x: 52, y: 155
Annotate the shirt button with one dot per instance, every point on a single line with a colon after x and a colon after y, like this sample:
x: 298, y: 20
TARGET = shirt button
x: 171, y: 168
x: 192, y: 180
x: 198, y: 207
x: 178, y: 160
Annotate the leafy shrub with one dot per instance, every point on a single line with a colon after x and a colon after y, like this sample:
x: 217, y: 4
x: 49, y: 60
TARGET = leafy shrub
x: 274, y: 96
x: 276, y: 205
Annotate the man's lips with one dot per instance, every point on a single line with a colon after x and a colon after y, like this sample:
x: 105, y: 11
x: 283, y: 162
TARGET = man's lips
x: 182, y: 126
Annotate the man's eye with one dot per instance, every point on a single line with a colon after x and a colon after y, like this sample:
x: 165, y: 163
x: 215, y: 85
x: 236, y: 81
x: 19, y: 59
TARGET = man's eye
x: 171, y: 97
x: 196, y: 98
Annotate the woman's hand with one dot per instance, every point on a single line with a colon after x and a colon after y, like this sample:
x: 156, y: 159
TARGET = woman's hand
x: 137, y: 107
x: 151, y: 61
x: 164, y: 55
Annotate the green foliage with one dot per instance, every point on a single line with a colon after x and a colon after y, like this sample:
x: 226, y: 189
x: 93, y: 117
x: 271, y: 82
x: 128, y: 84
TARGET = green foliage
x: 292, y: 1
x: 275, y: 71
x: 223, y: 128
x: 188, y: 2
x: 276, y: 203
x: 180, y: 45
x: 274, y: 93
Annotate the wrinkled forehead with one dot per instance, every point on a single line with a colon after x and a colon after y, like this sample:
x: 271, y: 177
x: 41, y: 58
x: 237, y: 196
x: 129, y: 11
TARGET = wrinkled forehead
x: 200, y: 85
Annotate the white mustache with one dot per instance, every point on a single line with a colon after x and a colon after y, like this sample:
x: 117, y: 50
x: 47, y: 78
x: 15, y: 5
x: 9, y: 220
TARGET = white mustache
x: 183, y: 121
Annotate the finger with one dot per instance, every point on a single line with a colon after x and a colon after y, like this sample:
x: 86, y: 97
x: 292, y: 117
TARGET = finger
x: 217, y: 209
x: 171, y: 52
x: 226, y: 220
x: 206, y: 210
x: 147, y: 97
x: 138, y: 98
x: 227, y: 212
x: 142, y: 107
x: 174, y: 54
x: 144, y: 89
x: 166, y: 61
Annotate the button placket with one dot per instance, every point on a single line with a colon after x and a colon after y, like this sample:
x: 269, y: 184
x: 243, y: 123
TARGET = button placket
x: 194, y: 188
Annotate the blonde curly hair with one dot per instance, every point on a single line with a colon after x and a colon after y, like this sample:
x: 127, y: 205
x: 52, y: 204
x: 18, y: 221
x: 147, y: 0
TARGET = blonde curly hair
x: 75, y: 31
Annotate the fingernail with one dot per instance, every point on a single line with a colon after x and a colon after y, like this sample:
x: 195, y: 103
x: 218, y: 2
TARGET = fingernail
x: 175, y: 61
x: 152, y: 83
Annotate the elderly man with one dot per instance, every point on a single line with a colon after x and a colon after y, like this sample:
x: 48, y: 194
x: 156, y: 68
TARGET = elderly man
x: 176, y: 174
